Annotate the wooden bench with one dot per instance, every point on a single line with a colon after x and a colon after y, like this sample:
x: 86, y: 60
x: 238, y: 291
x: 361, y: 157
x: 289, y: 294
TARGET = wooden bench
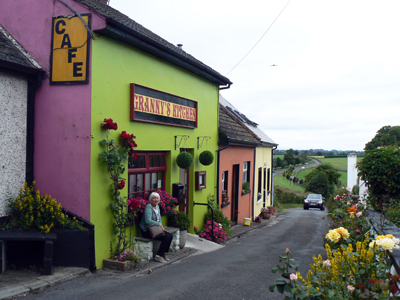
x: 28, y: 235
x: 146, y: 248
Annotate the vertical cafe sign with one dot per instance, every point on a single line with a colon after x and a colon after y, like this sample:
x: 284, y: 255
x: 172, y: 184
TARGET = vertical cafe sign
x: 70, y: 49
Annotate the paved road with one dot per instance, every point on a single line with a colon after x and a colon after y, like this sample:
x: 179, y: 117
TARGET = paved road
x: 239, y: 270
x: 298, y: 168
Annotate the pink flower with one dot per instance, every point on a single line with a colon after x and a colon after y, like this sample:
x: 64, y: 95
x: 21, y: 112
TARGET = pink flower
x: 359, y: 214
x: 293, y: 277
x: 351, y: 288
x: 287, y: 250
x: 327, y: 263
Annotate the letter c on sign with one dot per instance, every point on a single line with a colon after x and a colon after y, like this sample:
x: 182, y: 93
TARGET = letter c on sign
x: 58, y: 29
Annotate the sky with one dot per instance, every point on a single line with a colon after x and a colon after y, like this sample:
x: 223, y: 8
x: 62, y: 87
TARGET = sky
x: 314, y: 74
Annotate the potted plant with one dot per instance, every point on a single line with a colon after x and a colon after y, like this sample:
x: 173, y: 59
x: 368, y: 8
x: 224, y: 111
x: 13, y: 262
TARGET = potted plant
x: 245, y: 187
x: 180, y: 220
x: 184, y: 160
x: 225, y: 197
x: 266, y: 212
x: 206, y: 158
x: 271, y: 209
x: 258, y: 219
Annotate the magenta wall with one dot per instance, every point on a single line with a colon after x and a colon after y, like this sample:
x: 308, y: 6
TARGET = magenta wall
x: 62, y: 112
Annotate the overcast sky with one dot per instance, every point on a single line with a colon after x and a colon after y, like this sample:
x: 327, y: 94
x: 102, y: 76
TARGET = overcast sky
x: 325, y: 74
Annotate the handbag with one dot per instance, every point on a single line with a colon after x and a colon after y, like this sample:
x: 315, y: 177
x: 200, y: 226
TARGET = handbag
x: 155, y: 231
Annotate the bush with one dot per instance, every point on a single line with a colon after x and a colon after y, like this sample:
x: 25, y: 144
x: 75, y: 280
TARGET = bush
x: 178, y: 219
x: 246, y: 186
x: 219, y: 216
x: 184, y: 160
x: 287, y: 197
x: 206, y: 158
x: 31, y: 210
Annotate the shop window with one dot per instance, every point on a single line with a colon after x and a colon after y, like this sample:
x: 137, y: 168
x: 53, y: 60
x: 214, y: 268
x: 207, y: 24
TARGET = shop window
x: 146, y: 174
x: 246, y: 171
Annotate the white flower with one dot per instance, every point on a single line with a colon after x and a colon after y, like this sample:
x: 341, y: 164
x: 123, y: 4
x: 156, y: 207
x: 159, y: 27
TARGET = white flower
x: 293, y: 277
x: 327, y: 263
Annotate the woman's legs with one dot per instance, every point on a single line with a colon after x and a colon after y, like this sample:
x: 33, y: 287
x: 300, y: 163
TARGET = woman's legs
x: 166, y: 240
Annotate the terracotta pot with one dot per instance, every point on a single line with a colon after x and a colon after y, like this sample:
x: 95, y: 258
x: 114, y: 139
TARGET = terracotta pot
x: 266, y: 215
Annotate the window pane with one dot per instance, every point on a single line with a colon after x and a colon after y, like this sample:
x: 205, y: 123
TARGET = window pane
x: 132, y: 183
x: 139, y: 183
x: 137, y: 163
x: 156, y: 161
x: 151, y: 163
x: 162, y: 162
x: 154, y: 181
x: 160, y: 180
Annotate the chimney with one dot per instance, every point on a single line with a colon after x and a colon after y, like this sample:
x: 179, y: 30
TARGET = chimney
x: 180, y: 46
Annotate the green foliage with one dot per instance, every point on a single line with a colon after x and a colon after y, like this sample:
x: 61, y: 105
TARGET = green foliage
x: 114, y: 157
x: 289, y: 157
x: 178, y: 219
x: 322, y: 180
x: 380, y: 169
x: 355, y: 190
x: 184, y: 160
x: 31, y: 210
x: 287, y: 197
x: 206, y: 158
x: 246, y: 186
x: 386, y: 136
x: 219, y: 216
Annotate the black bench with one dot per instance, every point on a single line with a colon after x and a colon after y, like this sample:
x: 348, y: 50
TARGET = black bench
x: 28, y: 235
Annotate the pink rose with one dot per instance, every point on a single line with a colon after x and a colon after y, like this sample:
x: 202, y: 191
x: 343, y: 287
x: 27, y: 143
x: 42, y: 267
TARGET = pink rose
x: 351, y: 288
x: 327, y: 263
x: 293, y: 277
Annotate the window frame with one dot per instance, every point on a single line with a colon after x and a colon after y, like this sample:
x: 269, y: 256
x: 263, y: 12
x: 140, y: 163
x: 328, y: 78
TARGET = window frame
x: 147, y: 170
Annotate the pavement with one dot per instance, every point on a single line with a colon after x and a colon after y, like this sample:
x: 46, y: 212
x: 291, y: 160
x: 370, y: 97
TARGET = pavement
x: 19, y: 283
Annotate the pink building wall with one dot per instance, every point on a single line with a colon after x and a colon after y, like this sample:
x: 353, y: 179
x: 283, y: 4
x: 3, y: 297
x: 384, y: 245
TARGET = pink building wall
x: 62, y: 112
x: 232, y: 156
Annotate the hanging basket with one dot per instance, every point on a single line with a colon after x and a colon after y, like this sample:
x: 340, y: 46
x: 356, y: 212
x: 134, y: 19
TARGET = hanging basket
x: 184, y: 160
x: 206, y: 158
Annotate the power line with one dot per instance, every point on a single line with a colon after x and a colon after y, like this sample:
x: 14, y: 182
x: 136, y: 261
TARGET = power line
x: 259, y: 39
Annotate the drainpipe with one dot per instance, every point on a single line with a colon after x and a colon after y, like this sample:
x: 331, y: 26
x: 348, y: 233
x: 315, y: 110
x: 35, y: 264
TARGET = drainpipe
x: 218, y: 169
x: 254, y: 184
x: 273, y: 175
x: 212, y: 217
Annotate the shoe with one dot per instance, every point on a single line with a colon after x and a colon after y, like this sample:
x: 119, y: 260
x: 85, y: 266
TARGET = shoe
x: 159, y: 259
x: 166, y: 257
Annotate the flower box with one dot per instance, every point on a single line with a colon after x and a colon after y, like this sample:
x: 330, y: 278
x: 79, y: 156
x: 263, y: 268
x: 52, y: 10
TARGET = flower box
x: 117, y: 265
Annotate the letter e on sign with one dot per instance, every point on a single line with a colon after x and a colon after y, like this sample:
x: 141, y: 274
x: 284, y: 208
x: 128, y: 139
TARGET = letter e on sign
x: 70, y: 50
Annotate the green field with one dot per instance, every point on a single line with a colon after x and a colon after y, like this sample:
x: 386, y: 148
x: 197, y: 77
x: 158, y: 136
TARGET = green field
x: 339, y: 163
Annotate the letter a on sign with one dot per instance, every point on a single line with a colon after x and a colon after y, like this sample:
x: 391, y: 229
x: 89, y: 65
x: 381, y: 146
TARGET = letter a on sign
x: 70, y: 50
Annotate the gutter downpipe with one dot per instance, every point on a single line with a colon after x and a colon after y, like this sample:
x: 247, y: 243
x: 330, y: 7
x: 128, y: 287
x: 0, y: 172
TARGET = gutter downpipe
x: 254, y: 184
x: 273, y: 175
x: 218, y: 169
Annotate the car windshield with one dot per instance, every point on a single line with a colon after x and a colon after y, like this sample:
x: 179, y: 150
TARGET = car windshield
x: 314, y: 196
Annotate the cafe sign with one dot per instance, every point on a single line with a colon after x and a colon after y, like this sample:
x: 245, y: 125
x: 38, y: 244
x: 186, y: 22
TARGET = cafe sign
x: 148, y: 105
x: 70, y: 49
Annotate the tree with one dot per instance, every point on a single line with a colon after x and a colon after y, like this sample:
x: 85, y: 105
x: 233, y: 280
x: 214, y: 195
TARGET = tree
x: 278, y: 162
x: 289, y: 157
x: 322, y: 180
x: 380, y: 169
x: 385, y: 136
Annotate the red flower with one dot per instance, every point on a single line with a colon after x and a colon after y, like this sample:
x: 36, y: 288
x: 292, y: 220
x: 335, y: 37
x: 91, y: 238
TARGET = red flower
x: 121, y: 185
x: 109, y: 124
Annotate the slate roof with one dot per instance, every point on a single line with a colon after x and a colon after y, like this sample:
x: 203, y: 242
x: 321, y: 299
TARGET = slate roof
x: 265, y: 139
x: 119, y: 24
x: 231, y: 130
x: 13, y: 57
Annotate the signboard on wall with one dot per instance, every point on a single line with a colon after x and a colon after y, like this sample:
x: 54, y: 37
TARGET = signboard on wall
x: 70, y: 50
x: 148, y: 105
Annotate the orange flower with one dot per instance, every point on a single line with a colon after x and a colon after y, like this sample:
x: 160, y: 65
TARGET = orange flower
x: 352, y: 209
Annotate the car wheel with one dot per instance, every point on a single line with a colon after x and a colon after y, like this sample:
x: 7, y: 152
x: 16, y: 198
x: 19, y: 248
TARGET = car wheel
x: 305, y: 207
x: 322, y: 208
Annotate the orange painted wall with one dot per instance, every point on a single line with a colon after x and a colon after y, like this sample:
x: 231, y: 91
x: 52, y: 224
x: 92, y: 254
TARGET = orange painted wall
x: 228, y: 157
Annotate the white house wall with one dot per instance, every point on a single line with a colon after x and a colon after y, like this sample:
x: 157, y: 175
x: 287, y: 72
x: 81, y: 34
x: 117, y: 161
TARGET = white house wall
x: 13, y: 114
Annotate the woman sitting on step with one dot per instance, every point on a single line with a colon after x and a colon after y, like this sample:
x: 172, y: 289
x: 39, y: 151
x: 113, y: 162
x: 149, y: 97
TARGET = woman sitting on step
x: 152, y: 217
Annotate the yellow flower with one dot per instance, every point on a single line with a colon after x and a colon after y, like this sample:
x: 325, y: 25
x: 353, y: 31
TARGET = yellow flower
x: 343, y: 232
x: 333, y: 236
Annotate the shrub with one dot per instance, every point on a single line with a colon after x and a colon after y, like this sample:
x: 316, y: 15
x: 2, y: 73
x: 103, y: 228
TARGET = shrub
x: 31, y: 210
x: 246, y: 186
x: 217, y: 234
x: 287, y: 197
x: 178, y: 219
x: 206, y: 158
x: 184, y: 160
